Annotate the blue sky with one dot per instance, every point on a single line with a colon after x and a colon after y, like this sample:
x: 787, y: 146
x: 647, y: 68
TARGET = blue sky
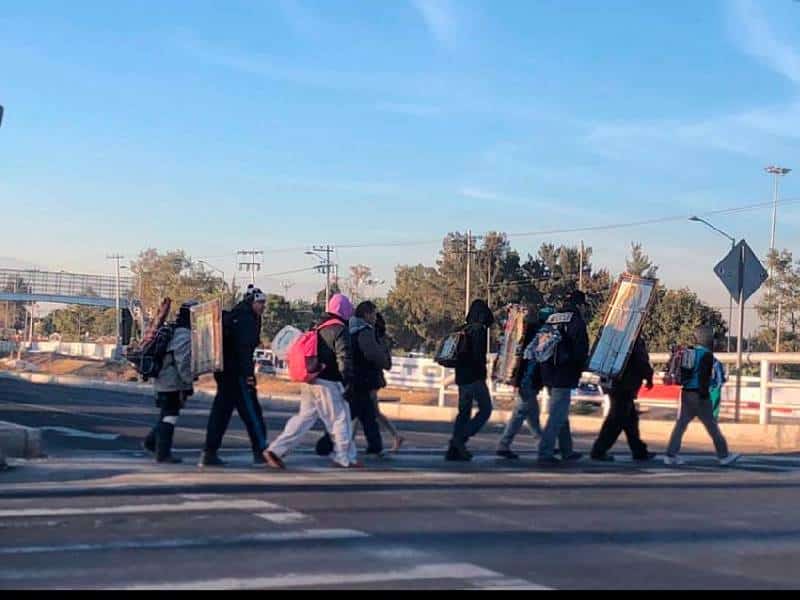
x: 277, y: 124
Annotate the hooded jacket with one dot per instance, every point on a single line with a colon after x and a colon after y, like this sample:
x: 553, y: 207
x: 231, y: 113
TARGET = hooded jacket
x: 334, y: 349
x: 370, y: 356
x: 573, y: 353
x: 176, y: 373
x: 473, y: 366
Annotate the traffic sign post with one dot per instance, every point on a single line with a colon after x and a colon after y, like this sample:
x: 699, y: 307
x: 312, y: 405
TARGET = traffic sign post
x: 742, y: 274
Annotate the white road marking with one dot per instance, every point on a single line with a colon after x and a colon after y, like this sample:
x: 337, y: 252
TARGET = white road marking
x: 282, y: 536
x: 70, y: 432
x: 284, y: 518
x: 143, y: 508
x: 456, y: 571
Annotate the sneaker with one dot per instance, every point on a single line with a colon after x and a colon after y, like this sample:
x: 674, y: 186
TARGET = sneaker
x: 603, y: 457
x: 647, y: 457
x: 259, y: 460
x: 729, y: 460
x: 208, y: 459
x: 673, y: 460
x: 149, y: 446
x: 169, y: 460
x: 397, y: 443
x: 573, y: 457
x: 547, y: 461
x: 507, y: 454
x: 274, y: 461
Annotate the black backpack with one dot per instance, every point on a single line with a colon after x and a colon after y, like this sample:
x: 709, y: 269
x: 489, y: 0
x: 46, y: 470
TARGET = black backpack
x: 149, y: 359
x: 453, y: 349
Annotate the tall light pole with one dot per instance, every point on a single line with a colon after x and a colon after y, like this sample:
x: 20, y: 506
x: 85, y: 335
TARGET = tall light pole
x: 777, y: 172
x: 733, y: 245
x: 221, y: 272
x: 117, y: 258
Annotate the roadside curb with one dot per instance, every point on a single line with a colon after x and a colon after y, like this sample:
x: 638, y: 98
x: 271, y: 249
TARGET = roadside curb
x: 17, y: 441
x: 740, y: 436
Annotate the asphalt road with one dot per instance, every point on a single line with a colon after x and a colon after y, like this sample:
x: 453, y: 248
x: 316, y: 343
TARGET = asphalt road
x: 98, y: 513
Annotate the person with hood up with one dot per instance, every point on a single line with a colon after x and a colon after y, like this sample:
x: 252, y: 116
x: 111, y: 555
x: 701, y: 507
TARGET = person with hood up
x: 561, y: 373
x: 325, y: 398
x: 471, y: 381
x: 696, y: 402
x: 173, y: 385
x: 528, y: 381
x: 370, y: 358
x: 236, y: 384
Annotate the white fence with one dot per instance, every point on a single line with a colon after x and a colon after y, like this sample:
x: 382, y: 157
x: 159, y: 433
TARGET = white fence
x: 84, y: 350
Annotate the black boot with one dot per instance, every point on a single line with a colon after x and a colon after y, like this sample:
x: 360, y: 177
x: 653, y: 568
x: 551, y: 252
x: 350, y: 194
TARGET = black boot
x: 164, y: 443
x: 149, y: 443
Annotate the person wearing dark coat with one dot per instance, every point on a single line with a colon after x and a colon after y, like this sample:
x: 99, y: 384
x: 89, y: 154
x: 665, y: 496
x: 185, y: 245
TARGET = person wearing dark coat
x: 471, y: 375
x: 236, y: 385
x: 623, y: 415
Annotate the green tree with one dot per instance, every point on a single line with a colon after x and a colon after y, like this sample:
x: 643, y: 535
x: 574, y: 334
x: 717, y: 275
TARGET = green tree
x: 277, y: 315
x: 639, y: 263
x: 782, y: 298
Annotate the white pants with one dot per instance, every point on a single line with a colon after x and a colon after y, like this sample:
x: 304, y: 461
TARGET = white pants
x: 321, y: 400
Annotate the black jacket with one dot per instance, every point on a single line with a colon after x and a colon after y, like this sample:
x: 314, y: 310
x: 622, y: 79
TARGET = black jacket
x: 334, y: 350
x: 241, y: 336
x: 572, y: 354
x: 637, y: 370
x: 473, y: 366
x: 370, y: 356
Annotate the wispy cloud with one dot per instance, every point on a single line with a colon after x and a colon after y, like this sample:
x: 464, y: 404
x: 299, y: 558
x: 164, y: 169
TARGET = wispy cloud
x: 300, y: 18
x: 440, y: 19
x: 757, y: 37
x: 478, y: 194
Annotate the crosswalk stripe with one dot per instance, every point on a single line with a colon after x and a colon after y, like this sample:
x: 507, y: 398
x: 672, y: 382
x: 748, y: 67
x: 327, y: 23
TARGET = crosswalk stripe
x: 448, y: 571
x: 256, y: 538
x: 209, y: 505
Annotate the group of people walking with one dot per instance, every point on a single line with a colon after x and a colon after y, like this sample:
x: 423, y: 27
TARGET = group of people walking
x: 354, y: 350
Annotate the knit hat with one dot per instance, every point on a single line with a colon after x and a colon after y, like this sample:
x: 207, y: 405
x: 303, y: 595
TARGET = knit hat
x: 253, y: 294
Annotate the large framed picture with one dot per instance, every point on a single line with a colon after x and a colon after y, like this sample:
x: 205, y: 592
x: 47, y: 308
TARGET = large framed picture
x: 207, y: 338
x: 631, y: 301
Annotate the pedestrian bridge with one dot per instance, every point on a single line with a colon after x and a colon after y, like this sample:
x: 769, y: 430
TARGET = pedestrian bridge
x: 63, y: 288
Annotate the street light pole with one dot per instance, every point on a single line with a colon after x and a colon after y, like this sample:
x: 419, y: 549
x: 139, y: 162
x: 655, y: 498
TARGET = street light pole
x: 730, y: 300
x: 778, y: 172
x: 117, y: 258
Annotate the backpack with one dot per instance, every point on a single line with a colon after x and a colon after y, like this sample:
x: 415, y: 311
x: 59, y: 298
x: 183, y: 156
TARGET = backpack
x: 681, y: 365
x: 453, y: 349
x: 550, y: 339
x: 149, y: 359
x: 303, y: 359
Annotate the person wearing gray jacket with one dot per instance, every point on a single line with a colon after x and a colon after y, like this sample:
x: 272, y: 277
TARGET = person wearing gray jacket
x: 172, y: 386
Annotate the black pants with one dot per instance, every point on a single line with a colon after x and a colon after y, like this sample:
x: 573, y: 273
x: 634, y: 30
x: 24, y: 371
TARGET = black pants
x: 623, y: 416
x: 159, y: 440
x: 466, y: 425
x: 234, y: 392
x: 363, y: 408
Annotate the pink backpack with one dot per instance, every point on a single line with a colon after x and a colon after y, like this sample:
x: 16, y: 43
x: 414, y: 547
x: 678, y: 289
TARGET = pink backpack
x: 304, y: 365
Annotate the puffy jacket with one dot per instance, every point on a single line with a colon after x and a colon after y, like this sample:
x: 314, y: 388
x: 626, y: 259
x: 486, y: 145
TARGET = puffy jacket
x: 637, y: 370
x: 472, y: 367
x: 524, y: 363
x: 176, y: 372
x: 572, y: 354
x: 335, y: 351
x: 370, y: 356
x: 241, y: 338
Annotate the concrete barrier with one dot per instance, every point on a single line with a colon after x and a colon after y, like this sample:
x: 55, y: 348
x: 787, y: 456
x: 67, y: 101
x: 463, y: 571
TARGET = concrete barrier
x: 19, y: 442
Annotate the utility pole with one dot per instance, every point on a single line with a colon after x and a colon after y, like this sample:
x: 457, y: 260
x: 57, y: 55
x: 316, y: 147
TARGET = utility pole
x: 469, y: 262
x: 325, y: 265
x: 117, y: 258
x: 249, y: 262
x: 580, y: 269
x: 286, y: 284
